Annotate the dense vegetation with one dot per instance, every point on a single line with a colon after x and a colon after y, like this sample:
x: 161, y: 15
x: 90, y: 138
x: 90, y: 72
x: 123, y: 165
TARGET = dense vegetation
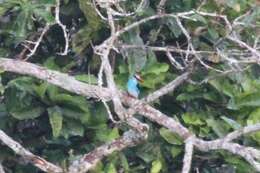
x: 221, y: 95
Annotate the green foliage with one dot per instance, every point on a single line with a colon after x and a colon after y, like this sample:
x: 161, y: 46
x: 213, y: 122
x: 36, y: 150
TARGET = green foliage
x: 156, y: 166
x: 87, y: 33
x: 20, y: 102
x: 55, y: 117
x: 61, y: 126
x: 170, y: 137
x: 135, y: 58
x: 254, y: 118
x: 24, y: 12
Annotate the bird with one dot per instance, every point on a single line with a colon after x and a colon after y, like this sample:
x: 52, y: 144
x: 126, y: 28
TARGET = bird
x: 132, y: 87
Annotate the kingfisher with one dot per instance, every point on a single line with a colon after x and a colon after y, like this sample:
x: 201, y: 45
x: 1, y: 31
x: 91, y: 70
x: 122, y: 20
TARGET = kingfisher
x: 132, y: 83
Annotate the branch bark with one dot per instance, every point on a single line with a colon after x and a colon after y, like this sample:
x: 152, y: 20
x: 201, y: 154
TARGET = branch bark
x: 89, y: 161
x: 56, y: 78
x: 28, y: 156
x: 187, y: 160
x: 167, y: 88
x: 1, y: 168
x: 71, y: 84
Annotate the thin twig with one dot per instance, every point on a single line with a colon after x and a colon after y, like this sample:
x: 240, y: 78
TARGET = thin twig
x: 63, y: 27
x: 243, y: 131
x: 161, y: 6
x: 37, y: 43
x: 167, y: 88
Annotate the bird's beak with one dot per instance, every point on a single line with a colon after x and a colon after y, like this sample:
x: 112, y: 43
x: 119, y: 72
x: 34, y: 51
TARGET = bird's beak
x: 139, y: 78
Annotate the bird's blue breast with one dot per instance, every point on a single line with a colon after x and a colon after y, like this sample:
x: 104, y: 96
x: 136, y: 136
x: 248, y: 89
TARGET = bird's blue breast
x: 132, y: 87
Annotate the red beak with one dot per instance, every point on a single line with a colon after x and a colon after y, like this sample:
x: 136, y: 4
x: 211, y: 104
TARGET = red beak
x: 139, y: 78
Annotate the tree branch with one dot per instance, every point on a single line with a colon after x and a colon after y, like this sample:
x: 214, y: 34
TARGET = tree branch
x: 167, y: 88
x: 54, y: 77
x: 187, y: 160
x: 1, y: 168
x: 242, y: 131
x: 28, y: 156
x: 71, y: 84
x: 89, y: 161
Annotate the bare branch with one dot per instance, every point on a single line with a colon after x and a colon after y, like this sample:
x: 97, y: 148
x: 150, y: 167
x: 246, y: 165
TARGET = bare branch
x: 251, y: 155
x: 1, y: 168
x: 104, y: 50
x: 89, y: 161
x: 244, y: 45
x: 161, y: 6
x: 119, y: 12
x: 28, y: 156
x: 166, y: 49
x: 69, y: 83
x: 56, y: 78
x: 167, y: 88
x: 156, y: 116
x: 187, y: 160
x: 63, y: 27
x: 45, y: 30
x: 37, y: 43
x: 243, y: 131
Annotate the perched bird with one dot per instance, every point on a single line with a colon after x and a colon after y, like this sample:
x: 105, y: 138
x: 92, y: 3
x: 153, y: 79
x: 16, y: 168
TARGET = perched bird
x: 132, y: 83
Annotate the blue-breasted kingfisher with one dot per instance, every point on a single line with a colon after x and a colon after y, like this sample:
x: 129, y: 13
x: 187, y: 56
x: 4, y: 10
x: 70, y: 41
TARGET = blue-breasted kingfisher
x: 132, y: 87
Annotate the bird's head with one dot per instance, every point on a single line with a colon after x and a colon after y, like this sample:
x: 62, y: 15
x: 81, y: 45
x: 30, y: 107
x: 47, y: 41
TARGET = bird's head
x: 138, y: 77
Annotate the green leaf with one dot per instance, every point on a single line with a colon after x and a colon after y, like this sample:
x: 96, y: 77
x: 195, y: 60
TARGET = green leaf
x: 75, y: 107
x: 94, y: 21
x: 45, y: 14
x: 88, y: 32
x: 217, y: 126
x: 197, y: 17
x: 213, y: 33
x: 27, y: 113
x: 20, y: 25
x: 82, y: 39
x: 223, y: 86
x: 100, y: 110
x: 193, y: 119
x: 71, y: 127
x: 21, y: 105
x: 76, y: 114
x: 240, y: 164
x: 111, y: 168
x: 156, y: 166
x: 55, y: 118
x: 174, y: 27
x: 175, y: 151
x: 91, y: 79
x: 154, y: 72
x: 41, y: 89
x: 250, y: 100
x: 107, y: 134
x: 72, y: 101
x: 254, y: 118
x: 155, y: 68
x: 170, y: 137
x: 235, y: 125
x: 136, y: 57
x: 23, y: 84
x: 124, y: 162
x: 51, y: 64
x: 151, y: 80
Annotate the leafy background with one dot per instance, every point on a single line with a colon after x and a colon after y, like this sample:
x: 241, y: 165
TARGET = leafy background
x: 61, y: 126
